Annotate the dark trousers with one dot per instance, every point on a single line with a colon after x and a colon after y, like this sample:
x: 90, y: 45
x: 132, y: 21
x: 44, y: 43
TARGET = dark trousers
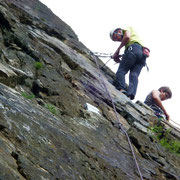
x: 133, y: 60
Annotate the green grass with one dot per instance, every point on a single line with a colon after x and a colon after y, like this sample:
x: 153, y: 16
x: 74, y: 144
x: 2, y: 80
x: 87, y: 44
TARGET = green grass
x: 28, y: 96
x: 38, y: 65
x: 163, y: 137
x: 51, y: 108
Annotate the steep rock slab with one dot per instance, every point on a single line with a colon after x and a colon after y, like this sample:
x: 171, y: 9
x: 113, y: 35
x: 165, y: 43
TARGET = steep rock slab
x: 72, y: 143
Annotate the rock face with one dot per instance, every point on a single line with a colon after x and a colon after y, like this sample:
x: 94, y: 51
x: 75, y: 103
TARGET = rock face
x: 47, y: 132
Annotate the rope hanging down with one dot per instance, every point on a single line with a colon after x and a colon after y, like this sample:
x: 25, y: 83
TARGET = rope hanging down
x: 175, y: 122
x: 120, y: 125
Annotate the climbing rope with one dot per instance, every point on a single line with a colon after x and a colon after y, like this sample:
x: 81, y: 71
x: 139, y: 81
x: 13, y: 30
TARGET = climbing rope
x: 170, y: 125
x: 120, y: 125
x: 175, y: 122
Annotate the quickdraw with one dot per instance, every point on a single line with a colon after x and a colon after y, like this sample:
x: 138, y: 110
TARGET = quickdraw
x: 98, y: 54
x: 106, y: 55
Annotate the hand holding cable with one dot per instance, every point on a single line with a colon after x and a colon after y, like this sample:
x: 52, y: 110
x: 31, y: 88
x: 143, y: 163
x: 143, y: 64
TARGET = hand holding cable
x: 117, y: 58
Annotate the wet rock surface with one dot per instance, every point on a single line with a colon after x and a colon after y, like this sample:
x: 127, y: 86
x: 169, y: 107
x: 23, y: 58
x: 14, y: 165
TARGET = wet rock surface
x: 46, y: 130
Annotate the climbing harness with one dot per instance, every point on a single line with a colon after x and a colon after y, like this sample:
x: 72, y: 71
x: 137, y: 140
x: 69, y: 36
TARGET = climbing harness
x: 120, y: 125
x: 146, y: 53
